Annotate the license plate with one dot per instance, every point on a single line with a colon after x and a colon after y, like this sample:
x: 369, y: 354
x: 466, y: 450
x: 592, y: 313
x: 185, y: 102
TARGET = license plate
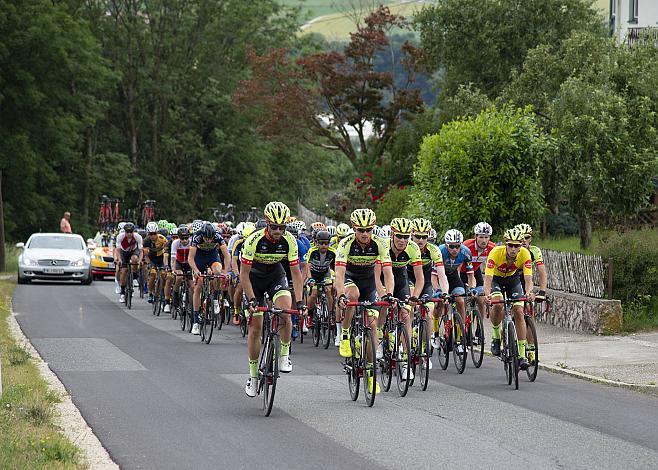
x: 53, y: 271
x: 110, y: 265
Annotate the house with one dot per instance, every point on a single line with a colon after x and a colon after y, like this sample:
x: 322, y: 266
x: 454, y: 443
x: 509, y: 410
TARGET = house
x: 629, y: 18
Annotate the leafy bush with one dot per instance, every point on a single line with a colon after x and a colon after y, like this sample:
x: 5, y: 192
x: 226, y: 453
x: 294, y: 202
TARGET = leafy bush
x: 392, y: 205
x: 482, y: 168
x: 635, y: 264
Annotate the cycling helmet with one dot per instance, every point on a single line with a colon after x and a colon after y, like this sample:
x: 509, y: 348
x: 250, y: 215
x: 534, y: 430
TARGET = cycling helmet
x: 128, y: 227
x: 421, y: 225
x: 401, y: 225
x: 183, y: 232
x: 331, y: 229
x: 525, y: 228
x: 302, y: 225
x: 350, y: 231
x: 378, y: 231
x: 386, y: 231
x: 164, y: 231
x: 208, y: 231
x: 277, y: 213
x: 318, y: 226
x: 482, y: 228
x: 239, y: 227
x: 196, y: 226
x: 121, y: 225
x: 151, y: 227
x: 174, y: 230
x: 262, y: 223
x: 323, y: 235
x: 431, y: 236
x: 171, y: 226
x: 292, y: 229
x: 248, y: 230
x: 363, y: 218
x: 453, y: 236
x: 182, y: 225
x: 292, y: 219
x: 228, y: 224
x: 162, y: 223
x: 342, y: 230
x: 513, y: 235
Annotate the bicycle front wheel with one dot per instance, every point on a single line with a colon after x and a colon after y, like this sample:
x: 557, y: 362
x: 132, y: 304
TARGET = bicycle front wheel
x: 423, y: 354
x: 352, y: 365
x: 385, y: 368
x: 402, y: 360
x: 476, y: 338
x: 443, y: 338
x: 369, y: 350
x: 532, y: 350
x: 459, y: 347
x: 129, y: 289
x: 317, y: 329
x: 270, y: 374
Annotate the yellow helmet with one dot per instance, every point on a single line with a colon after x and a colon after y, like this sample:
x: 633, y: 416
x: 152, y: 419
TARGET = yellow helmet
x: 363, y: 218
x: 513, y: 235
x: 422, y: 225
x: 248, y: 230
x: 401, y: 225
x: 277, y: 213
x: 525, y: 228
x: 342, y: 230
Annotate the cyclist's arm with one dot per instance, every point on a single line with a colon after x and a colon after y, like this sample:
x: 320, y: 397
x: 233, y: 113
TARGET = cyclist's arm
x: 297, y: 282
x: 442, y: 278
x: 190, y: 259
x: 381, y: 290
x: 529, y: 286
x: 245, y: 269
x: 140, y: 255
x: 225, y: 257
x: 471, y: 279
x: 487, y: 284
x: 234, y: 264
x: 543, y: 277
x: 420, y: 280
x: 340, y: 280
x: 389, y: 280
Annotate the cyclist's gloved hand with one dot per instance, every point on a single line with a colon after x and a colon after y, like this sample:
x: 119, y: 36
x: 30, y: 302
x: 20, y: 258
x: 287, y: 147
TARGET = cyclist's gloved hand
x: 301, y: 306
x: 436, y: 294
x: 342, y: 300
x: 424, y: 298
x: 412, y: 299
x: 253, y: 303
x: 388, y: 298
x: 472, y: 291
x: 541, y: 295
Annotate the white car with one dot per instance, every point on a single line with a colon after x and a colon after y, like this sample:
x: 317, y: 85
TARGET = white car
x: 54, y: 256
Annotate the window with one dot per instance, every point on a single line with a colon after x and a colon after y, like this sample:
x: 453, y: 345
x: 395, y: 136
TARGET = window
x: 632, y: 14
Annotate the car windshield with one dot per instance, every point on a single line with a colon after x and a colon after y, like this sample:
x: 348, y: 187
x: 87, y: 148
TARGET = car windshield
x: 55, y: 242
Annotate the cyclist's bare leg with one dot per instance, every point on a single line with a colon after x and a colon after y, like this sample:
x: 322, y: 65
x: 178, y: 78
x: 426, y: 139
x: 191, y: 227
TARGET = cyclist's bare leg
x: 285, y: 302
x: 352, y: 293
x: 519, y: 321
x: 151, y: 283
x: 253, y: 339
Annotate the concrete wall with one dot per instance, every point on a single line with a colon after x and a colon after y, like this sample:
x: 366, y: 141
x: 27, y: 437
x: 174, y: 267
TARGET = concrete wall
x: 580, y: 313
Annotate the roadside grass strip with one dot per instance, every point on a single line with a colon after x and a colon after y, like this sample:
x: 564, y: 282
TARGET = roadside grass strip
x: 28, y: 436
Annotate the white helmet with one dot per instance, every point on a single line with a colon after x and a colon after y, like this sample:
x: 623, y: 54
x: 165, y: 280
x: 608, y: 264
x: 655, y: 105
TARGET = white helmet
x: 453, y: 236
x: 121, y: 225
x: 331, y: 229
x: 386, y: 231
x: 431, y: 235
x: 173, y: 231
x: 377, y: 230
x: 301, y: 225
x: 239, y: 227
x: 350, y: 231
x: 151, y: 227
x: 196, y: 226
x: 482, y: 228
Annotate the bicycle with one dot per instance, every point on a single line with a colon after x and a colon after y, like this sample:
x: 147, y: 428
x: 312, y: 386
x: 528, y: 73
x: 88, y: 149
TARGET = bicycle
x: 184, y: 305
x: 450, y: 335
x: 268, y: 362
x: 322, y: 318
x: 207, y: 316
x: 396, y: 349
x: 532, y: 349
x: 129, y: 286
x: 474, y: 331
x: 509, y: 353
x: 158, y: 291
x: 421, y: 348
x: 363, y: 346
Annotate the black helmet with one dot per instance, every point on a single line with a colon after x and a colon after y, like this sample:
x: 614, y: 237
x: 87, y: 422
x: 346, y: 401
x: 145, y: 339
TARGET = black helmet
x: 183, y: 232
x: 129, y: 227
x: 323, y: 235
x: 290, y: 228
x: 262, y: 223
x: 208, y: 230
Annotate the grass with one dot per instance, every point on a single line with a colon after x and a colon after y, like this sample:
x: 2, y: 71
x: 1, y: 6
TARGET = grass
x: 567, y: 244
x: 28, y: 437
x: 11, y: 258
x: 640, y: 316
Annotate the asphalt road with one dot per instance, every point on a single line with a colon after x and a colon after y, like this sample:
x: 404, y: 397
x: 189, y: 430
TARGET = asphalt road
x: 158, y: 398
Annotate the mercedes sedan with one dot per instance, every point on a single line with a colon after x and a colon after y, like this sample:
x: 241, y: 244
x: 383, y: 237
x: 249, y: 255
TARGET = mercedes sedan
x: 54, y: 257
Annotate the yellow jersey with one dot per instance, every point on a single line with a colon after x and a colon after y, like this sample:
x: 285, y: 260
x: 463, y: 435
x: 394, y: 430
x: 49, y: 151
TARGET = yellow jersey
x: 497, y: 264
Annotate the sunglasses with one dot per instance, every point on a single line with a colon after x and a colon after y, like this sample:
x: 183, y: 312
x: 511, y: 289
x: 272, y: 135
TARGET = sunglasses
x: 401, y: 237
x: 323, y: 243
x: 364, y: 230
x: 453, y: 247
x: 528, y: 237
x: 420, y: 237
x: 513, y: 245
x: 184, y: 238
x: 277, y: 227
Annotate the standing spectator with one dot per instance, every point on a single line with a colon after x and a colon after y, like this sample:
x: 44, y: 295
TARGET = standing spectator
x: 64, y: 224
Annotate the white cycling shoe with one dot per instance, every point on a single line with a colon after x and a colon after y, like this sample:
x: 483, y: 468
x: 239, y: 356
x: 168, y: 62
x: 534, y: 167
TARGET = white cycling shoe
x: 404, y: 373
x: 122, y: 298
x: 337, y: 341
x: 195, y: 329
x: 251, y: 389
x: 167, y: 308
x: 285, y: 364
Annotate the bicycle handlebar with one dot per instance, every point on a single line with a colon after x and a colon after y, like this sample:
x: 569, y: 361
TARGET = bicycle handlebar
x: 276, y: 310
x: 368, y: 304
x: 509, y: 301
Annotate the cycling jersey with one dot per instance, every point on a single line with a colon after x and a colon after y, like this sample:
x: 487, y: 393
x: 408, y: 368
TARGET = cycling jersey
x: 452, y: 265
x: 479, y: 257
x: 333, y: 242
x: 123, y: 243
x: 360, y: 260
x: 320, y: 264
x: 180, y: 251
x: 265, y: 254
x: 430, y: 256
x: 497, y: 263
x: 202, y: 245
x: 410, y: 256
x: 155, y: 248
x: 535, y: 255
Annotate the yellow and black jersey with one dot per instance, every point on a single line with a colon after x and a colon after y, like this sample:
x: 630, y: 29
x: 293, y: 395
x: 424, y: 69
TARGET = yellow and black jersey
x: 263, y: 253
x: 360, y: 260
x: 320, y: 264
x: 156, y: 248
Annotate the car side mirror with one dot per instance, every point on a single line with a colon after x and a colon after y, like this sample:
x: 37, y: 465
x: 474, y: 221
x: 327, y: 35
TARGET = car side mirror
x: 20, y: 245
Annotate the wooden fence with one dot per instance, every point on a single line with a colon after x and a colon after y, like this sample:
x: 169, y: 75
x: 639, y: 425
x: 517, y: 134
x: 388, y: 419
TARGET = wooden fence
x: 576, y: 273
x: 308, y: 216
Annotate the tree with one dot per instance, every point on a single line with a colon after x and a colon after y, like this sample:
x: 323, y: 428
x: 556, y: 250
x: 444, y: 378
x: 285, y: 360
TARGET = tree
x: 481, y: 168
x: 483, y: 41
x: 320, y: 98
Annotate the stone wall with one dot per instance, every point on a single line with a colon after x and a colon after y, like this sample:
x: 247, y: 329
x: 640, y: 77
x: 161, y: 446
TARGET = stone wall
x: 580, y: 313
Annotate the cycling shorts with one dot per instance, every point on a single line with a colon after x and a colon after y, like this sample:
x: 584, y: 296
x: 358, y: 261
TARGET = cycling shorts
x: 126, y: 255
x: 156, y: 262
x: 510, y: 286
x: 366, y: 286
x: 275, y: 284
x: 455, y: 284
x: 205, y: 259
x: 185, y: 267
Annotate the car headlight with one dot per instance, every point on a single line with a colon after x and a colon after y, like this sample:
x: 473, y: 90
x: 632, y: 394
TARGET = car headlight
x: 78, y: 263
x: 29, y: 261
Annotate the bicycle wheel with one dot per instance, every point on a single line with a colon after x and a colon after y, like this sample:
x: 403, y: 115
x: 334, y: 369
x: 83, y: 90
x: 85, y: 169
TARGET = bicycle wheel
x: 445, y: 333
x: 271, y: 372
x: 402, y: 359
x: 317, y: 329
x: 369, y: 349
x: 301, y: 321
x: 220, y: 315
x: 140, y: 281
x: 532, y: 350
x: 352, y: 365
x: 512, y: 356
x: 385, y: 369
x: 210, y: 319
x: 327, y: 326
x: 129, y: 289
x: 182, y: 305
x: 423, y: 354
x: 476, y: 338
x: 459, y: 346
x: 156, y: 299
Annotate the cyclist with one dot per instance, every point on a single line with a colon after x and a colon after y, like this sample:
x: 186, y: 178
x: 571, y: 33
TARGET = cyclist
x: 320, y: 261
x: 342, y: 230
x: 301, y: 228
x: 480, y: 246
x: 207, y: 244
x: 236, y: 254
x: 179, y: 264
x: 455, y: 254
x: 127, y: 250
x: 261, y: 273
x: 404, y: 254
x: 156, y: 256
x: 537, y: 260
x: 356, y: 258
x: 502, y: 275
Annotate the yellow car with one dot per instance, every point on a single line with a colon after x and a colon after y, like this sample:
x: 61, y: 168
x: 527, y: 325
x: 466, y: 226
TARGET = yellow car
x: 102, y: 257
